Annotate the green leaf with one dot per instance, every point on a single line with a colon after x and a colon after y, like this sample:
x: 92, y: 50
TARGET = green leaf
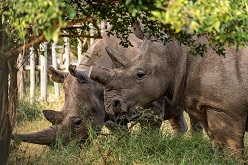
x: 71, y: 12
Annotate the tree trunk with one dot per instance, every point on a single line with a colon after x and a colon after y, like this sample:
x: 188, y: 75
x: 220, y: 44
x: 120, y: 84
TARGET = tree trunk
x: 13, y: 90
x: 8, y: 97
x: 5, y: 124
x: 8, y: 103
x: 20, y: 76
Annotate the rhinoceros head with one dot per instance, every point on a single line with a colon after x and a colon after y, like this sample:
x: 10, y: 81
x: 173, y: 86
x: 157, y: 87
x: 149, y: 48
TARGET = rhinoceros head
x: 141, y: 81
x: 131, y: 84
x: 83, y: 104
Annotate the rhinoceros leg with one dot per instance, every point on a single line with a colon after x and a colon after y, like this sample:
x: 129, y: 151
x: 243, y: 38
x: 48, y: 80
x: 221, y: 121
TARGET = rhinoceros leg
x: 179, y: 124
x: 44, y: 137
x: 226, y: 131
x: 195, y: 125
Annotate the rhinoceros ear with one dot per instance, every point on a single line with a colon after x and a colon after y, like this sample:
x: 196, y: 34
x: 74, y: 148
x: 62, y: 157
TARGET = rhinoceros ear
x: 138, y: 29
x: 80, y: 75
x: 55, y: 117
x: 119, y: 60
x: 101, y: 75
x: 57, y: 76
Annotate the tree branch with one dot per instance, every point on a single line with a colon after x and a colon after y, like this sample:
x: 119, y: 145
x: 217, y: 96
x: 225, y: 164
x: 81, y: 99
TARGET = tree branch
x: 15, y: 51
x: 76, y: 35
x: 41, y: 38
x: 73, y: 22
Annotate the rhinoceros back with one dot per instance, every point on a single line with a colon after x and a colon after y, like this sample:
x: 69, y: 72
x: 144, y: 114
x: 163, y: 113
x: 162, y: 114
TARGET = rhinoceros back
x: 97, y: 55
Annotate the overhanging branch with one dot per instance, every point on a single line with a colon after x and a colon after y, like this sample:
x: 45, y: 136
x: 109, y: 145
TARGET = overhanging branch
x: 74, y: 22
x: 84, y: 36
x: 41, y: 38
x: 15, y: 51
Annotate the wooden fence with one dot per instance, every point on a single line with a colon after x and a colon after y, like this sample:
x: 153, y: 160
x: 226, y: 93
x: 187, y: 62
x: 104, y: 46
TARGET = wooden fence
x: 58, y: 63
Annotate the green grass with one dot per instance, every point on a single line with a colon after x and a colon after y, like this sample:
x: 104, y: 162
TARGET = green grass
x: 27, y: 111
x: 135, y: 146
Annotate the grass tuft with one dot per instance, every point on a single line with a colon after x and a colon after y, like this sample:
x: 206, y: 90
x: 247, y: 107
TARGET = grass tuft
x: 27, y: 111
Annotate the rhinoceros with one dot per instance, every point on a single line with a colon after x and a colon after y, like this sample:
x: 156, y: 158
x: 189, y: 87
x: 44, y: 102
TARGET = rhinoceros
x: 84, y: 97
x: 212, y: 88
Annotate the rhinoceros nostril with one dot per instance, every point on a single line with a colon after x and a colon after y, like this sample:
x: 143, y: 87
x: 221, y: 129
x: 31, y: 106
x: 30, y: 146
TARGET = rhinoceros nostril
x: 116, y: 106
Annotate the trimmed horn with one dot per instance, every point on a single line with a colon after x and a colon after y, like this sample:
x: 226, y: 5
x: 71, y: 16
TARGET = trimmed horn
x: 80, y: 75
x: 57, y: 76
x: 55, y: 117
x: 101, y: 75
x: 72, y: 69
x: 43, y: 137
x: 118, y: 59
x: 138, y: 30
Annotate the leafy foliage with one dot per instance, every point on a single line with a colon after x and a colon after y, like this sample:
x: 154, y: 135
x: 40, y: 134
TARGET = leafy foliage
x: 224, y: 22
x: 24, y: 20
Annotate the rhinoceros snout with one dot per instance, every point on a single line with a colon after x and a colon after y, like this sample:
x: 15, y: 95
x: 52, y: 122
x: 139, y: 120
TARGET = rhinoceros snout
x: 118, y: 106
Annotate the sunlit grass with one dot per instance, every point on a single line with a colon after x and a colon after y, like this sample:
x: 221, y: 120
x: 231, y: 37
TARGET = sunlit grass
x: 138, y: 146
x: 135, y: 146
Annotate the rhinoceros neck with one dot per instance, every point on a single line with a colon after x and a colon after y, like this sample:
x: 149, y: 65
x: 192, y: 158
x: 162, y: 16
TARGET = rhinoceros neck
x: 168, y: 64
x: 180, y: 80
x: 177, y: 60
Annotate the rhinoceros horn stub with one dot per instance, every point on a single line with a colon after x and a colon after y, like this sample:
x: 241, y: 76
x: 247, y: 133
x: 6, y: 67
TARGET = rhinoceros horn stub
x: 138, y: 30
x: 55, y: 117
x: 57, y: 76
x: 118, y: 59
x: 101, y: 75
x: 44, y: 137
x: 72, y: 70
x: 80, y: 75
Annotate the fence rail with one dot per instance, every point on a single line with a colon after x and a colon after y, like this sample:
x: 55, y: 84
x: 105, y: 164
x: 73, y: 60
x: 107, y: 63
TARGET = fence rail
x: 41, y: 66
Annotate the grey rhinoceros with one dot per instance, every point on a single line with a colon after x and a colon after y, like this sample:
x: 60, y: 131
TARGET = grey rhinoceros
x: 212, y: 88
x: 84, y: 98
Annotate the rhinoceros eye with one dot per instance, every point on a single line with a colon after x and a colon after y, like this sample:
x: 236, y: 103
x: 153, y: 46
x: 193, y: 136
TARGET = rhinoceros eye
x: 77, y: 121
x: 140, y: 74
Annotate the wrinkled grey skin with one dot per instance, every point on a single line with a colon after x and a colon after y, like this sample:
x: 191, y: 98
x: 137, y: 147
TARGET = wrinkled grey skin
x: 212, y: 88
x: 84, y: 98
x: 79, y: 109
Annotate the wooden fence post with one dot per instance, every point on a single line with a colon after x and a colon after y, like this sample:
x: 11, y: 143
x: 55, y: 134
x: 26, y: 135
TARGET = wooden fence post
x: 91, y: 33
x: 79, y: 50
x: 103, y: 26
x: 43, y: 72
x: 67, y: 53
x: 32, y: 74
x: 55, y: 65
x: 20, y: 76
x: 108, y: 25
